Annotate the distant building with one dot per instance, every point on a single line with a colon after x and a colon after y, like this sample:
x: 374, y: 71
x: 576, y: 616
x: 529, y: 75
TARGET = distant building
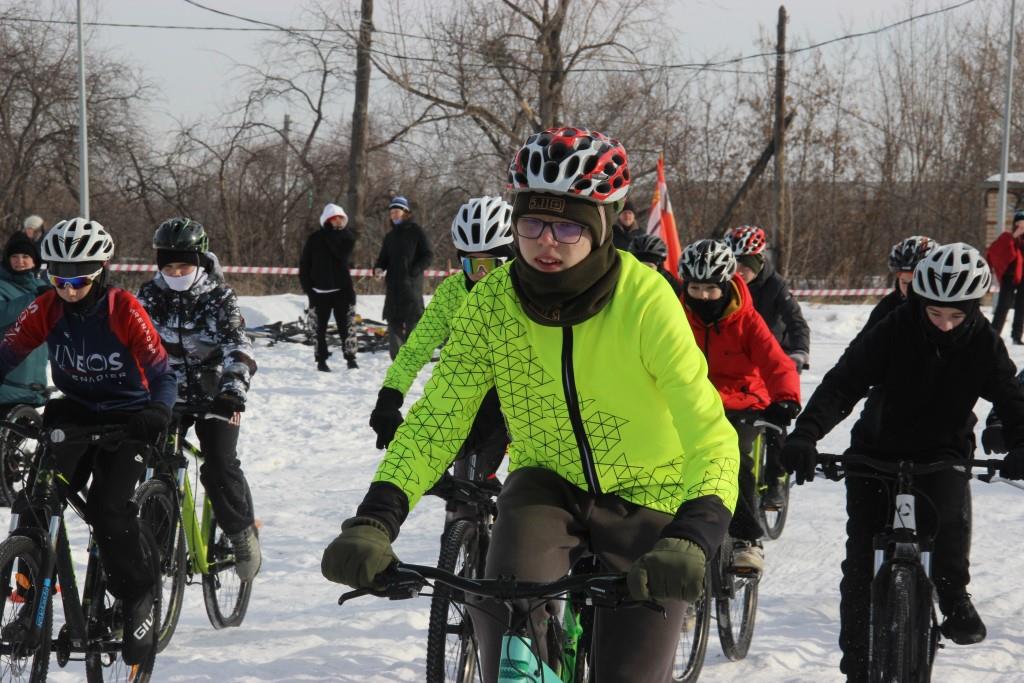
x: 1014, y: 201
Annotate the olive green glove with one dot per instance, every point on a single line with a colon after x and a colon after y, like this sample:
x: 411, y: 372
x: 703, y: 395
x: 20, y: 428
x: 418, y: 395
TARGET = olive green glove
x: 360, y: 552
x: 672, y: 570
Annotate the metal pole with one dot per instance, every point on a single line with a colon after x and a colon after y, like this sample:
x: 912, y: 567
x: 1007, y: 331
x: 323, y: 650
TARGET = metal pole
x: 779, y: 238
x: 83, y: 132
x: 1004, y: 169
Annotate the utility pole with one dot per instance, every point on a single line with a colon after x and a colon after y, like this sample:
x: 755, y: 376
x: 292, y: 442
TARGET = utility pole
x: 286, y: 148
x: 1004, y: 167
x: 357, y: 152
x: 778, y: 238
x: 83, y: 131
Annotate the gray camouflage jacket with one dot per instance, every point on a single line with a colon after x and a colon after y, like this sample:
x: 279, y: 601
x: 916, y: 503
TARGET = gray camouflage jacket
x: 204, y: 334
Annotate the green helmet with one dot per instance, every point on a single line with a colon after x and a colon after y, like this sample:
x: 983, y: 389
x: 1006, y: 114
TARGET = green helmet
x: 181, y: 234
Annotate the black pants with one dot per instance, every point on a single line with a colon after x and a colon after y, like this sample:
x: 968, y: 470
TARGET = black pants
x: 400, y: 327
x: 869, y: 509
x: 1009, y: 295
x: 488, y: 439
x: 109, y: 510
x: 344, y: 310
x: 222, y: 476
x: 745, y: 524
x: 544, y: 525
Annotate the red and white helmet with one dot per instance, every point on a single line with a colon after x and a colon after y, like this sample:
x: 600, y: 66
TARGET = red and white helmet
x: 572, y: 161
x: 707, y: 262
x: 746, y: 240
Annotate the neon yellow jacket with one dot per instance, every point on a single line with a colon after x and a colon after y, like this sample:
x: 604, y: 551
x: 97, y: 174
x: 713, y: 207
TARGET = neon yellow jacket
x: 619, y: 403
x: 429, y: 333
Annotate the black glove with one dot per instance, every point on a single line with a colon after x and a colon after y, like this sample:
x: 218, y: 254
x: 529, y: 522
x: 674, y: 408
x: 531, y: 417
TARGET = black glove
x: 992, y: 440
x: 1013, y: 464
x: 227, y: 403
x: 148, y: 423
x: 781, y: 413
x: 386, y: 416
x: 799, y: 456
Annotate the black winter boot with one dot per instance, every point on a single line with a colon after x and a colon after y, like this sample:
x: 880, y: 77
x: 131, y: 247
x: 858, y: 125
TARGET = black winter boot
x: 321, y: 365
x: 962, y: 625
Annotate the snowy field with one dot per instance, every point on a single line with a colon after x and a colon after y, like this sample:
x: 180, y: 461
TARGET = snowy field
x: 308, y: 453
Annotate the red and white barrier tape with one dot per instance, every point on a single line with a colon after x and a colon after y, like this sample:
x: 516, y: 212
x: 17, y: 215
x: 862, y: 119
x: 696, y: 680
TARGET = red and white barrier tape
x: 260, y: 270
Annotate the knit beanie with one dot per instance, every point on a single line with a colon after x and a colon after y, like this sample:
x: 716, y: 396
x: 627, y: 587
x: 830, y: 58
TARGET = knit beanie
x: 753, y: 261
x: 20, y: 243
x: 167, y: 256
x: 598, y: 218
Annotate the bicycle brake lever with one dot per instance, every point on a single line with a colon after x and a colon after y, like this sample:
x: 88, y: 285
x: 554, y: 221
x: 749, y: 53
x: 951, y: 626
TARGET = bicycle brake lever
x: 352, y: 595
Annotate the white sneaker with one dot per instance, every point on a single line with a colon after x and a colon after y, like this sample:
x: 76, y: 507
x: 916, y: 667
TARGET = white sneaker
x: 748, y: 556
x: 248, y: 558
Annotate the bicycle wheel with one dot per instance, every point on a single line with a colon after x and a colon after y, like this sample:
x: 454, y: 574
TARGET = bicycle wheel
x: 583, y: 672
x: 693, y: 641
x: 901, y: 648
x: 158, y: 508
x: 773, y: 519
x: 106, y: 622
x: 225, y: 594
x: 16, y: 453
x: 451, y: 646
x: 20, y: 575
x: 735, y: 605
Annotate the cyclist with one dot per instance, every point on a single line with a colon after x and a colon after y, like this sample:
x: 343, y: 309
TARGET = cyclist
x: 107, y: 360
x: 619, y: 442
x: 926, y: 363
x: 19, y: 285
x: 651, y: 251
x: 752, y: 373
x: 482, y: 233
x: 903, y: 258
x: 772, y: 298
x: 196, y: 314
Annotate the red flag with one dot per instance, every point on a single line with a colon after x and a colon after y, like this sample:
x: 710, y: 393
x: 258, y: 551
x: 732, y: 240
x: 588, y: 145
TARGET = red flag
x: 662, y: 222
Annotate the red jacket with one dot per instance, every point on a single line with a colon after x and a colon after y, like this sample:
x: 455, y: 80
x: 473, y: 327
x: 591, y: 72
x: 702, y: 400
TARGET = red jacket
x: 745, y: 362
x: 1005, y: 253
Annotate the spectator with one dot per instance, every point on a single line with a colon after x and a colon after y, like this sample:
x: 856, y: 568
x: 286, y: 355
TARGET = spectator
x: 1006, y: 257
x: 34, y: 228
x: 625, y: 227
x: 324, y: 276
x: 19, y: 285
x: 404, y: 256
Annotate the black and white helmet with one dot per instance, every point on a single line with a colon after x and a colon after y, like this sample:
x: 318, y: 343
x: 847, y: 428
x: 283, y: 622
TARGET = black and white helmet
x: 952, y: 273
x: 77, y: 240
x: 906, y: 254
x: 707, y: 262
x: 648, y: 248
x: 482, y: 224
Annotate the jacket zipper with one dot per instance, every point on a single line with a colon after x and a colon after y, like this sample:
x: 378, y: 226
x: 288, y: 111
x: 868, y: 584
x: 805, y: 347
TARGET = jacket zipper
x: 573, y: 405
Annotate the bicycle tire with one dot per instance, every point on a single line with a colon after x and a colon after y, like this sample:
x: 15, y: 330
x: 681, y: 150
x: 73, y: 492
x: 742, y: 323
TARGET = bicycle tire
x: 584, y: 666
x: 774, y: 521
x: 158, y: 507
x: 225, y: 595
x: 693, y: 640
x: 15, y: 460
x: 901, y: 633
x: 460, y: 554
x: 735, y: 605
x: 100, y: 612
x: 18, y: 555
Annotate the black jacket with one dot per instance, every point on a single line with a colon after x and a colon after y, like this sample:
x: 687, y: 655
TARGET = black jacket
x: 621, y: 237
x: 889, y: 303
x: 780, y: 310
x: 677, y: 286
x: 921, y: 400
x: 325, y: 261
x: 405, y: 254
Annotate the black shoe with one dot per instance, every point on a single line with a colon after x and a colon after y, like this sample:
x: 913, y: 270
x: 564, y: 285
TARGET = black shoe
x: 962, y: 625
x: 352, y: 364
x: 322, y: 366
x: 775, y: 497
x: 139, y: 629
x: 1017, y: 341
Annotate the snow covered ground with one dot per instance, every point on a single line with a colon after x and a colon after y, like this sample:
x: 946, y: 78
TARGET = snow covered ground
x: 308, y: 452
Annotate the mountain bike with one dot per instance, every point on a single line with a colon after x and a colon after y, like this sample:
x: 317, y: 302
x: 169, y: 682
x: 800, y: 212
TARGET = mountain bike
x: 772, y: 517
x: 15, y: 450
x: 520, y: 660
x: 35, y: 561
x: 190, y: 542
x: 904, y: 627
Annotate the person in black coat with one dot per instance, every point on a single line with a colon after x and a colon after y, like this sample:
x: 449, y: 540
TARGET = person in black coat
x: 903, y: 258
x: 324, y: 276
x: 771, y: 294
x: 626, y: 227
x: 404, y: 255
x: 923, y: 367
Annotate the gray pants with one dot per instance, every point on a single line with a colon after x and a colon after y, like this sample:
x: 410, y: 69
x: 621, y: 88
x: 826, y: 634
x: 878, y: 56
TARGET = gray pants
x: 544, y: 524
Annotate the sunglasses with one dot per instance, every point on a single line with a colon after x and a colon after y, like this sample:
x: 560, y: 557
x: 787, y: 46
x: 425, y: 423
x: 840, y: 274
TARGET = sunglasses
x: 563, y: 232
x: 76, y: 282
x: 486, y: 264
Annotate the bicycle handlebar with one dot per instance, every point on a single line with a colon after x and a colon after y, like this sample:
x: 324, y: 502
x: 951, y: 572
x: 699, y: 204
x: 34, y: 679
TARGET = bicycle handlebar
x: 454, y: 490
x: 835, y: 466
x: 67, y: 436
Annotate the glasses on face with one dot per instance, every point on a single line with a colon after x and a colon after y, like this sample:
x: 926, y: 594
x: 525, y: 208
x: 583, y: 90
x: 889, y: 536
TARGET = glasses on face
x: 76, y: 282
x: 563, y: 232
x: 472, y: 265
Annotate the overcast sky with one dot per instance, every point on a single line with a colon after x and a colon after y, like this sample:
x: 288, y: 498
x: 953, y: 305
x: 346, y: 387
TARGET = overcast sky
x: 195, y: 72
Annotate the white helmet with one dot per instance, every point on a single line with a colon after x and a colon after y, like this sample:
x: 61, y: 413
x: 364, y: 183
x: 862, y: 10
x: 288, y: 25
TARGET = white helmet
x: 77, y: 240
x: 707, y: 261
x: 952, y: 273
x: 482, y: 224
